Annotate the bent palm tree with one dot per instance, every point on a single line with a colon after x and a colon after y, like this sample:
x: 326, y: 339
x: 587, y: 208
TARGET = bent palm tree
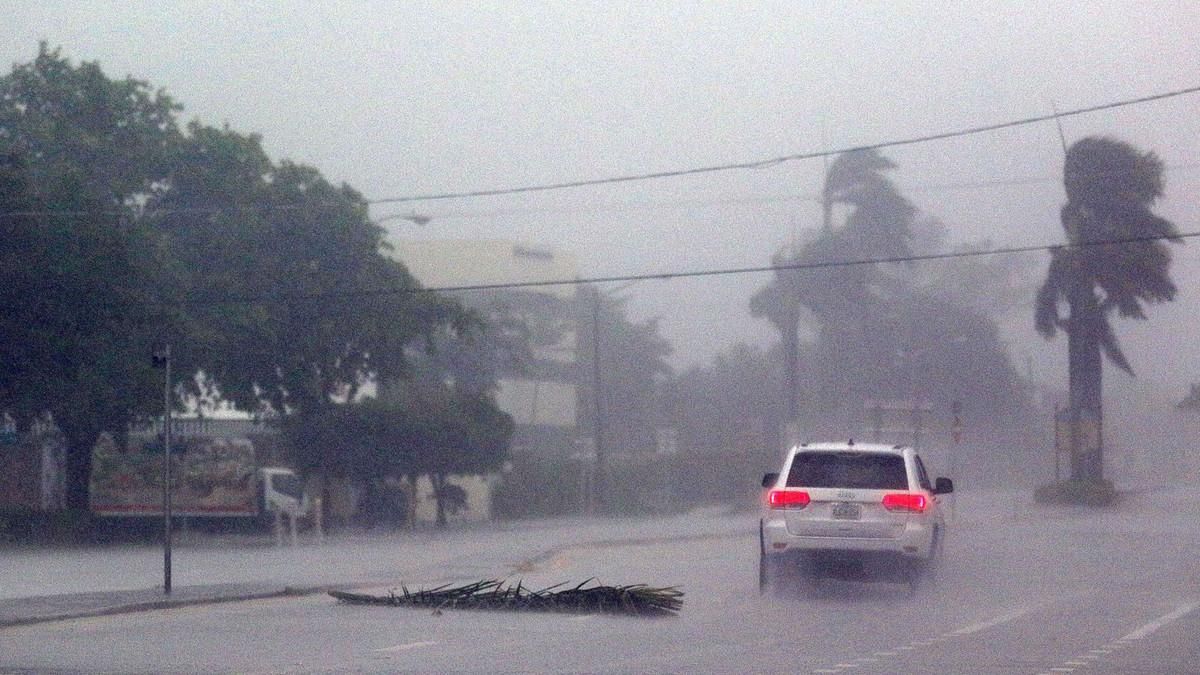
x: 1115, y: 261
x: 878, y: 225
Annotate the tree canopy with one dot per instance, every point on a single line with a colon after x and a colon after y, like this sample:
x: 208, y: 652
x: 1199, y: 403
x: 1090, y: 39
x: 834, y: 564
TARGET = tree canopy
x: 882, y: 330
x: 82, y: 267
x: 122, y: 229
x: 1111, y: 187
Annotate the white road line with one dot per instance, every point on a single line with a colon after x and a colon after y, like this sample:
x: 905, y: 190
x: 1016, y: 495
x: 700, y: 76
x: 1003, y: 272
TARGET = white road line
x: 995, y: 621
x: 912, y: 646
x: 1178, y: 613
x: 404, y: 647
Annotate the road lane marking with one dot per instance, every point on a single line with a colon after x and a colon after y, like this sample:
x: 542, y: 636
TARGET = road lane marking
x: 995, y: 621
x: 405, y: 647
x: 1177, y: 613
x: 1093, y: 656
x: 926, y: 642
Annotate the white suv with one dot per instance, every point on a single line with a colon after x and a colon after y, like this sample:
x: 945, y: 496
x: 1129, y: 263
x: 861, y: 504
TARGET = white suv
x: 857, y: 511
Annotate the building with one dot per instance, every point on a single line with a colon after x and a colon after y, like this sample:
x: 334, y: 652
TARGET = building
x: 540, y: 392
x: 542, y: 395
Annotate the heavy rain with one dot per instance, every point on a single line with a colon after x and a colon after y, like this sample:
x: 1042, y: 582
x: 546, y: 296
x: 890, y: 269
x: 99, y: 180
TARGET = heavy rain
x: 529, y: 299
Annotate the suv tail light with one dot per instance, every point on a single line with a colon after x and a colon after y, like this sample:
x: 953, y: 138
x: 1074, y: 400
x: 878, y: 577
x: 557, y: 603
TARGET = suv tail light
x: 788, y: 499
x: 905, y: 501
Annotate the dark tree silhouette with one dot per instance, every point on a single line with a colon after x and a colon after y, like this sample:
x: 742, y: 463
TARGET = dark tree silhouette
x: 878, y: 225
x: 1110, y: 187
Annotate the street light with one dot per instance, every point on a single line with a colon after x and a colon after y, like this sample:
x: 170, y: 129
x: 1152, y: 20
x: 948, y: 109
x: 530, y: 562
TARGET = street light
x: 412, y: 217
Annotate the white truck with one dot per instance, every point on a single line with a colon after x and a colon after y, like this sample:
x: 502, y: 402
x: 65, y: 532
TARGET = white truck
x: 212, y: 477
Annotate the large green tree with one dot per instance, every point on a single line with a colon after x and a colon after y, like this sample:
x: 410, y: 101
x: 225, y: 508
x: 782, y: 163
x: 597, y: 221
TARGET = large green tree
x: 122, y: 230
x: 445, y: 417
x: 1111, y: 187
x: 300, y: 308
x: 81, y: 275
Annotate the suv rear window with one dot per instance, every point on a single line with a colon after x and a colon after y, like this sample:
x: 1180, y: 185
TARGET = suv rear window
x: 856, y: 470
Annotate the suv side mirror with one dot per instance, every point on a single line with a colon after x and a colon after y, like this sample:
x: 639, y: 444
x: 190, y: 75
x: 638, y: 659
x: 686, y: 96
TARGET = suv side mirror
x: 769, y: 479
x: 943, y: 486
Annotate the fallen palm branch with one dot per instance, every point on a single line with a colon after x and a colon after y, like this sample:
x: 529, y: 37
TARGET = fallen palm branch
x: 638, y: 599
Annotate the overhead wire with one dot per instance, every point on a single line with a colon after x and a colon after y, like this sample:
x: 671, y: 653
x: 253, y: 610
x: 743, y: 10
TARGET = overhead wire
x: 730, y: 200
x: 668, y: 275
x: 755, y: 164
x: 701, y: 170
x: 758, y: 164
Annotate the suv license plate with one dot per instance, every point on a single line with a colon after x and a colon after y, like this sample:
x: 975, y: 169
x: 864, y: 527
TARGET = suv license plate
x: 847, y: 511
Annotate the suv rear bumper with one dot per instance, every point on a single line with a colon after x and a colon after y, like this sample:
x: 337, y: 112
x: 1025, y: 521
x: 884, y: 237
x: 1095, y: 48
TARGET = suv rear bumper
x: 915, y: 540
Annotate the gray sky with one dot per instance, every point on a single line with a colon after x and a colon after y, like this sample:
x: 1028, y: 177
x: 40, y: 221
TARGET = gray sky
x: 408, y: 98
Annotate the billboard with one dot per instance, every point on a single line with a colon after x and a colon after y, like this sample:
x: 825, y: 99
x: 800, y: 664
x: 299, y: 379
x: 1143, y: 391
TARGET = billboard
x: 210, y: 477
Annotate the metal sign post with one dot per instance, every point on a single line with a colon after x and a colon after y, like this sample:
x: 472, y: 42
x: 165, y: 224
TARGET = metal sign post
x: 162, y: 359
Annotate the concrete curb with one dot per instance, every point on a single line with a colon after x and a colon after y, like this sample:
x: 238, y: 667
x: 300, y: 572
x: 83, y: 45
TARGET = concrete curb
x: 109, y: 604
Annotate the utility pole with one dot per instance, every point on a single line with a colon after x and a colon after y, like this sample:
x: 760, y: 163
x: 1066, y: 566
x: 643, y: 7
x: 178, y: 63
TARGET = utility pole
x: 598, y: 479
x: 162, y: 359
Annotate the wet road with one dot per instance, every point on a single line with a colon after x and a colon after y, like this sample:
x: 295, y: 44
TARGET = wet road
x: 1023, y: 591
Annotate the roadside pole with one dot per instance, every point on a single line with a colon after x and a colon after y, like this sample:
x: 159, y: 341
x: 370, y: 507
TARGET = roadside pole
x: 597, y: 503
x: 955, y: 441
x: 162, y: 359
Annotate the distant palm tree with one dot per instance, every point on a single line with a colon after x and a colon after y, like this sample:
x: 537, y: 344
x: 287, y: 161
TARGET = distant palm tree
x: 775, y: 304
x: 878, y: 225
x: 1110, y: 188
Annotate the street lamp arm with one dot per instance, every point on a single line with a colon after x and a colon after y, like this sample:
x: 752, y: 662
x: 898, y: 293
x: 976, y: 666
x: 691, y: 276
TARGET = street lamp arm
x: 415, y: 218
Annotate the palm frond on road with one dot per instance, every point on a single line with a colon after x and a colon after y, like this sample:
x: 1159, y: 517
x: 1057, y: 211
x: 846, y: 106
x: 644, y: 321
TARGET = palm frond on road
x: 638, y: 599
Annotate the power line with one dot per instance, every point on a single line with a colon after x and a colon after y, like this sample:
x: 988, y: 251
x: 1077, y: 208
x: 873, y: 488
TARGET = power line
x: 646, y: 205
x: 759, y: 164
x: 733, y: 200
x: 666, y: 276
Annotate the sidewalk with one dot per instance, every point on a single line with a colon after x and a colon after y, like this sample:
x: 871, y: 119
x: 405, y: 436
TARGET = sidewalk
x: 51, y: 584
x: 24, y: 611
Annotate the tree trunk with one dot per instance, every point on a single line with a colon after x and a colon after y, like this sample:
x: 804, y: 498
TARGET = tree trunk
x: 78, y: 468
x: 1085, y: 373
x: 791, y: 362
x: 439, y: 483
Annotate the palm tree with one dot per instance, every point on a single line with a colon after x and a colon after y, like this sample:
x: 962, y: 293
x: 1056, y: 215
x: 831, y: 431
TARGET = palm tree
x: 1110, y: 188
x: 878, y: 225
x: 774, y: 303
